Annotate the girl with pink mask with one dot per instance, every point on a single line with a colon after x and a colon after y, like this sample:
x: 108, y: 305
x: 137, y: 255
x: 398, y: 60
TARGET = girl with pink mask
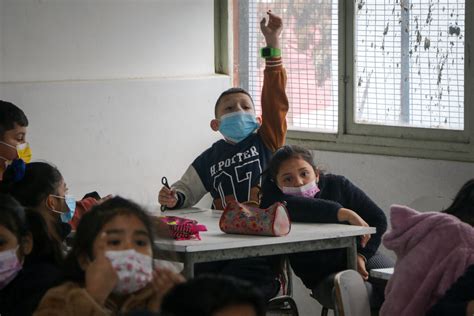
x: 110, y: 268
x: 314, y: 197
x: 27, y: 265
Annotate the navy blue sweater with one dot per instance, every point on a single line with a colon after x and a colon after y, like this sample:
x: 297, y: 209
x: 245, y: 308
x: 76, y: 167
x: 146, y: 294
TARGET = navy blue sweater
x: 335, y: 192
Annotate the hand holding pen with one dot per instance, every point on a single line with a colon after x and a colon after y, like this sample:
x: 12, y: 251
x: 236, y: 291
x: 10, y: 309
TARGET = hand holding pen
x: 167, y: 196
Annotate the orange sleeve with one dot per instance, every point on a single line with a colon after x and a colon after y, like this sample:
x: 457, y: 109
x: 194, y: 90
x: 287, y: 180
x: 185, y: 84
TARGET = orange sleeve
x: 274, y: 104
x: 82, y: 207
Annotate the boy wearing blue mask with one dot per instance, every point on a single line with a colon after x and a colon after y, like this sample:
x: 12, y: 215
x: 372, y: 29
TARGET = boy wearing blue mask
x: 13, y: 145
x: 231, y: 168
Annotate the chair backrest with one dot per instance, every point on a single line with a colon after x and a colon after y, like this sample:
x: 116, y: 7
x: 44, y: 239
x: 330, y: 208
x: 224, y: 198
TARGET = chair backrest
x: 352, y: 298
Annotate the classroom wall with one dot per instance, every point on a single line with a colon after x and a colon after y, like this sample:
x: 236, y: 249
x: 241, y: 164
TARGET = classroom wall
x: 118, y: 93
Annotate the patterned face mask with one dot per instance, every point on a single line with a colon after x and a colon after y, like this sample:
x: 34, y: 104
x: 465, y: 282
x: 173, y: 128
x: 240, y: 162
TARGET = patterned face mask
x: 308, y: 190
x: 134, y: 270
x: 9, y: 266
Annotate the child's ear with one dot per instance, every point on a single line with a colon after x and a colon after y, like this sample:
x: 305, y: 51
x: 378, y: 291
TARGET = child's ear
x: 215, y: 125
x: 49, y: 202
x: 83, y: 261
x: 27, y: 244
x: 259, y: 120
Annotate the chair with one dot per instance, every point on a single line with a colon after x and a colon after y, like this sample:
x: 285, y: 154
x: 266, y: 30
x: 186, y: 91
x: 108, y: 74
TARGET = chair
x: 284, y: 302
x: 323, y: 292
x: 351, y: 294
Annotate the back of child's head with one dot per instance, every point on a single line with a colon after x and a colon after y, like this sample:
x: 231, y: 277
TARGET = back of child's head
x: 92, y: 223
x: 229, y: 92
x: 208, y: 294
x: 12, y: 216
x: 286, y: 153
x: 10, y: 115
x: 45, y: 248
x: 463, y: 204
x: 31, y: 183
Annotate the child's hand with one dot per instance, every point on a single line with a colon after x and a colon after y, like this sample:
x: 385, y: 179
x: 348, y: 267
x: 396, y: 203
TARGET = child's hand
x: 272, y: 31
x: 361, y: 267
x: 163, y: 281
x: 167, y: 197
x: 347, y: 215
x: 101, y: 277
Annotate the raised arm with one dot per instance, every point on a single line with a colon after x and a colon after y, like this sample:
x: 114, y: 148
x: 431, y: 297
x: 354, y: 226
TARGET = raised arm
x: 274, y: 100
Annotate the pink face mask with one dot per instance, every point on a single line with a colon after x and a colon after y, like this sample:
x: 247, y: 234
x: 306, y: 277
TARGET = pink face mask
x: 9, y: 266
x: 308, y: 190
x: 134, y: 270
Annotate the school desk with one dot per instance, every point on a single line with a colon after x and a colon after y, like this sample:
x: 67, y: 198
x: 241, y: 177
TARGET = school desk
x: 216, y: 245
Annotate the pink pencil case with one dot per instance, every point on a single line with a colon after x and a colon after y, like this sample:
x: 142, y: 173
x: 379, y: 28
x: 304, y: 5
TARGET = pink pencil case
x: 239, y: 218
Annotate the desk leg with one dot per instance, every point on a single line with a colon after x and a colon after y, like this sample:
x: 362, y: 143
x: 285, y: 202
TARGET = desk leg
x: 188, y: 270
x: 352, y: 255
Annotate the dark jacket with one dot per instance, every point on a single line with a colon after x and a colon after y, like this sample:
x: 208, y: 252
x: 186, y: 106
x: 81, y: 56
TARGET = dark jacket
x: 335, y: 192
x: 455, y: 301
x: 23, y: 294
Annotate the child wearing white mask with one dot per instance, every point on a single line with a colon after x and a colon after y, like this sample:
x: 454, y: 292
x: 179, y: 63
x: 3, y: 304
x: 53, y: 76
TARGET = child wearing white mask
x: 27, y: 269
x: 109, y: 269
x: 315, y: 197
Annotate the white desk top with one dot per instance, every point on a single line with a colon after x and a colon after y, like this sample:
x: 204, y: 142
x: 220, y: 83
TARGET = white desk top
x: 215, y: 239
x: 383, y: 274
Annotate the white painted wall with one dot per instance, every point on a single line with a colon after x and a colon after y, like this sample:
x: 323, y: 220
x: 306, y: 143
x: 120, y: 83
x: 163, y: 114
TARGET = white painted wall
x: 73, y: 66
x: 97, y: 39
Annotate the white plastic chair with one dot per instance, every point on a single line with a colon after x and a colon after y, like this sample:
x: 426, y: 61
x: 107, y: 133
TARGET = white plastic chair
x: 351, y: 294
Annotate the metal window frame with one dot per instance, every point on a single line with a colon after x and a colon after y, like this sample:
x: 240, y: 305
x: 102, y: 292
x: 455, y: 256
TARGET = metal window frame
x: 375, y: 139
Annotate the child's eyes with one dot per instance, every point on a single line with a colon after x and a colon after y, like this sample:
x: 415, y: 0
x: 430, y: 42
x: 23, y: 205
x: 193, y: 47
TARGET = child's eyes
x: 287, y: 179
x: 141, y: 242
x: 304, y: 173
x: 114, y: 242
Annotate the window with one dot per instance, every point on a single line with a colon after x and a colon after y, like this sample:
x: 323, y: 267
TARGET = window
x: 369, y: 76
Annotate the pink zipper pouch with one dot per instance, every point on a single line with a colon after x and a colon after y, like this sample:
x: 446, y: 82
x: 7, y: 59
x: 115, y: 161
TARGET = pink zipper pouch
x: 239, y: 218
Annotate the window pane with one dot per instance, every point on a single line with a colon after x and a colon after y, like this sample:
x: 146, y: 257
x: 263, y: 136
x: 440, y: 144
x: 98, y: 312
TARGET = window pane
x: 309, y: 50
x: 410, y: 63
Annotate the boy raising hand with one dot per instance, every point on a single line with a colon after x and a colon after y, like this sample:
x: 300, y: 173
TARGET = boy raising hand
x: 230, y: 169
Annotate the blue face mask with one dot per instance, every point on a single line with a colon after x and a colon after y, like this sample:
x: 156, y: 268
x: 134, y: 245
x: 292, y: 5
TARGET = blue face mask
x: 71, y: 205
x: 238, y: 125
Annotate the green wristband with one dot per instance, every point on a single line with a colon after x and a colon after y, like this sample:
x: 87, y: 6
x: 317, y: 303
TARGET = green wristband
x: 269, y: 52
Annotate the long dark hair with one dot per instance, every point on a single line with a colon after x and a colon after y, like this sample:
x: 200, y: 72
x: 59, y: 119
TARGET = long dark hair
x: 39, y: 180
x: 289, y: 152
x: 90, y: 226
x: 463, y: 204
x: 12, y: 217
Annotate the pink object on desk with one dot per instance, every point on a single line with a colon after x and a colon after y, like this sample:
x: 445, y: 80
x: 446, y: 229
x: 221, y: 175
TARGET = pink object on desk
x: 239, y: 218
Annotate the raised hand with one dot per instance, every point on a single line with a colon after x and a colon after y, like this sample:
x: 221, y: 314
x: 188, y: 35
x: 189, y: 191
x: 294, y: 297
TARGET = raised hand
x: 272, y: 30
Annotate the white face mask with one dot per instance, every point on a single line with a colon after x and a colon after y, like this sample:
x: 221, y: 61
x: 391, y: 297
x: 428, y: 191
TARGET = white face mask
x: 308, y: 190
x: 9, y: 266
x: 134, y: 270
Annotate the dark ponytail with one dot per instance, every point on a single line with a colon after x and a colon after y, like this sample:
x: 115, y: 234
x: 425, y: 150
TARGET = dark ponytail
x: 31, y: 183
